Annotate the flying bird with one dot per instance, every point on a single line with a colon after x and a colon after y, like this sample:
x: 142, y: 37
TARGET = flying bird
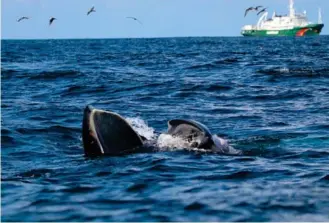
x: 91, y: 10
x: 258, y: 7
x: 22, y: 18
x: 135, y: 19
x: 248, y: 9
x: 51, y: 20
x: 261, y: 11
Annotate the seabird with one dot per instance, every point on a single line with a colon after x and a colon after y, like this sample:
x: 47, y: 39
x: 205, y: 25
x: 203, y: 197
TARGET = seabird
x: 135, y: 19
x: 22, y: 18
x: 261, y: 11
x: 91, y: 10
x: 248, y: 9
x: 258, y: 7
x: 51, y: 20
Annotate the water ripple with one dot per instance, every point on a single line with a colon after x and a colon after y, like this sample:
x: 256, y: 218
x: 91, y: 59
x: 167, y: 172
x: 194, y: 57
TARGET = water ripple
x: 268, y: 97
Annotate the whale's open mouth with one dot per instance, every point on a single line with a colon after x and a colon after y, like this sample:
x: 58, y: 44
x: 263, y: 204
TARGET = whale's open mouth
x: 107, y: 133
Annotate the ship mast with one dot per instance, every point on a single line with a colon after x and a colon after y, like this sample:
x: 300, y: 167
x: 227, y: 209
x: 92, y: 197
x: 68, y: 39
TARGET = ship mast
x: 291, y: 8
x: 320, y: 17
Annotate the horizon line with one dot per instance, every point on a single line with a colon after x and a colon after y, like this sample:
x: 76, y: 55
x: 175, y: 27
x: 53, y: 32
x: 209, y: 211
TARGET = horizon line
x: 146, y: 37
x: 150, y: 37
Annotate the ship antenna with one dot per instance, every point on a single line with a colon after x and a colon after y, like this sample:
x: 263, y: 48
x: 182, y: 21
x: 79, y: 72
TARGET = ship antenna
x: 320, y: 16
x: 291, y: 8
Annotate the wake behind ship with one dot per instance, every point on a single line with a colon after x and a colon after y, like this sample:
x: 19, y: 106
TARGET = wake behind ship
x: 294, y: 24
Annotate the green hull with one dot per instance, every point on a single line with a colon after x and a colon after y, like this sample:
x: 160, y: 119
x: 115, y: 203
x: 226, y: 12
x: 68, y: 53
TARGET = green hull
x: 310, y: 30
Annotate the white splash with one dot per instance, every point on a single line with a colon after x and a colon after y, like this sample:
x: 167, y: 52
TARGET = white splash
x: 141, y: 127
x: 284, y: 70
x: 166, y: 142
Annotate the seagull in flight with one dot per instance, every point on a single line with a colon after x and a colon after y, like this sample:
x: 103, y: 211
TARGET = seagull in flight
x: 261, y: 11
x: 51, y: 20
x: 22, y: 18
x: 135, y: 19
x: 91, y: 10
x: 252, y: 8
x: 248, y: 9
x: 258, y: 7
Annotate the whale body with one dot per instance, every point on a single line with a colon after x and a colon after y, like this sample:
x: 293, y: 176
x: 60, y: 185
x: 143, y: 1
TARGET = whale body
x: 108, y: 133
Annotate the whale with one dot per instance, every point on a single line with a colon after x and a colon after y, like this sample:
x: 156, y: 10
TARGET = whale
x: 108, y: 133
x: 194, y: 133
x: 197, y: 135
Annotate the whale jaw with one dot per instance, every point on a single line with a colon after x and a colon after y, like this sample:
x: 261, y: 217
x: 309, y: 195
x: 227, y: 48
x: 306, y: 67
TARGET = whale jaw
x: 89, y: 135
x: 107, y: 133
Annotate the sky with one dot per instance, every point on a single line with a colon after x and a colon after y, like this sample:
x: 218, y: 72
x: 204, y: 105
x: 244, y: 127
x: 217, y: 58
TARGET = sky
x: 160, y: 18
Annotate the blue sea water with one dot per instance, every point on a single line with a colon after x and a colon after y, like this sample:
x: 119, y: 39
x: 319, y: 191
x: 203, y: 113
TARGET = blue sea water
x: 269, y: 97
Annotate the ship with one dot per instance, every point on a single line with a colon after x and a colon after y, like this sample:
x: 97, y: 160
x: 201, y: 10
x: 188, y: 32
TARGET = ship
x: 294, y: 24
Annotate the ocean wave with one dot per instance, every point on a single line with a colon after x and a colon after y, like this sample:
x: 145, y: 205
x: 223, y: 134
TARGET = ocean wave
x: 202, y: 66
x: 274, y: 138
x: 308, y: 72
x: 283, y: 95
x: 49, y: 129
x: 213, y: 65
x: 244, y: 174
x: 30, y: 174
x: 83, y: 89
x: 206, y: 87
x: 51, y: 75
x: 8, y: 73
x: 226, y: 61
x: 325, y: 178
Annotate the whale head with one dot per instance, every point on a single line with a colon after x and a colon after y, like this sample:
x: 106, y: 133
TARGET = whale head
x: 107, y: 133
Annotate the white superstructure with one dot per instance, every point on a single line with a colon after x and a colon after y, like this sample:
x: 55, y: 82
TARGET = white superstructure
x: 281, y: 22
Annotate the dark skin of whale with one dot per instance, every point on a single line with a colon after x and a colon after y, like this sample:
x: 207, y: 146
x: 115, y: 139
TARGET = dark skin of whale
x: 107, y: 133
x: 194, y: 132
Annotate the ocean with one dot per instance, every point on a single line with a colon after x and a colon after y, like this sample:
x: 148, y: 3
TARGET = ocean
x: 269, y: 97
